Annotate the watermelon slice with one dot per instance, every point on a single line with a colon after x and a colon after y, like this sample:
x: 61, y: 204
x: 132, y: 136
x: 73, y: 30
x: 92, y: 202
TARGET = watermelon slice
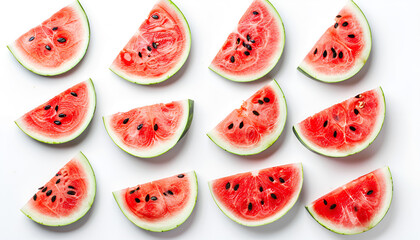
x: 255, y: 47
x: 67, y: 197
x: 56, y: 45
x: 259, y: 197
x: 158, y: 49
x: 256, y: 125
x: 161, y: 205
x: 357, y: 206
x: 342, y: 50
x: 345, y: 128
x: 62, y: 118
x: 151, y: 130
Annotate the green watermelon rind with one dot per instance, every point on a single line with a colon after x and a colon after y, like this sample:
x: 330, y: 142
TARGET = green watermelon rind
x: 213, y: 136
x: 179, y: 223
x: 61, y: 70
x: 349, y: 75
x: 175, y: 69
x: 74, y: 135
x: 376, y: 222
x: 269, y: 68
x: 166, y: 149
x: 262, y: 223
x: 91, y: 174
x: 325, y: 153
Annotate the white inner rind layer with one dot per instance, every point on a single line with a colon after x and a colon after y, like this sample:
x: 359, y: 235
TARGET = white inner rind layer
x: 157, y: 148
x: 267, y: 140
x: 83, y: 207
x: 260, y: 222
x: 187, y: 46
x: 169, y: 222
x: 32, y: 66
x: 360, y: 60
x: 384, y: 175
x: 275, y: 57
x: 357, y: 148
x: 43, y: 137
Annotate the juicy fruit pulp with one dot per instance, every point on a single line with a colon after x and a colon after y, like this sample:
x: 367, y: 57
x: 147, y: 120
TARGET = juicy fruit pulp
x: 255, y: 47
x: 67, y: 197
x: 160, y: 205
x: 261, y: 197
x: 151, y: 130
x: 56, y: 45
x: 63, y: 117
x: 342, y: 50
x: 158, y: 49
x: 256, y: 125
x: 357, y: 206
x: 345, y: 128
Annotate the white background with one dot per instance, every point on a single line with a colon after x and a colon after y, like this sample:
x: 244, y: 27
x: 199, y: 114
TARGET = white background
x: 26, y: 164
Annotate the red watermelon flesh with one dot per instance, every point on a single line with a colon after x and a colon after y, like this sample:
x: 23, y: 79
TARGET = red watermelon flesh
x: 160, y: 205
x: 254, y: 48
x: 342, y: 50
x: 56, y: 45
x: 66, y: 197
x: 259, y: 197
x: 158, y: 49
x: 345, y: 128
x: 357, y: 206
x: 63, y: 117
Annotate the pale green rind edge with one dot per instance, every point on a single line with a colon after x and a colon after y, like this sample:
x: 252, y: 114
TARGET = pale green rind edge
x: 351, y: 153
x: 77, y: 133
x: 83, y: 212
x: 70, y: 67
x: 163, y: 230
x: 186, y: 128
x: 370, y: 227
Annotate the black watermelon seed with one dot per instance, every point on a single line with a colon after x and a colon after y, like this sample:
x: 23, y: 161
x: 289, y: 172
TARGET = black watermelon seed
x: 227, y: 185
x: 338, y: 16
x: 54, y: 28
x: 45, y: 189
x: 40, y: 188
x: 137, y: 200
x: 252, y: 40
x: 271, y: 179
x: 335, y: 25
x: 325, y: 123
x: 340, y: 55
x: 232, y: 59
x: 248, y: 37
x: 48, y: 193
x: 249, y: 206
x: 138, y: 188
x: 58, y: 174
x: 71, y: 192
x: 324, y: 54
x: 181, y: 175
x: 47, y: 107
x: 255, y: 12
x: 248, y: 47
x: 149, y: 48
x: 352, y: 128
x: 355, y: 209
x: 281, y: 180
x: 58, y: 181
x: 325, y: 202
x: 266, y: 99
x: 335, y: 133
x: 351, y: 36
x: 262, y: 202
x: 31, y: 39
x: 61, y: 40
x: 154, y: 198
x: 260, y: 102
x: 148, y: 55
x: 261, y: 189
x: 132, y: 191
x: 140, y: 55
x: 48, y: 47
x: 333, y: 206
x: 74, y: 94
x: 53, y: 198
x: 126, y: 120
x: 139, y: 126
x: 147, y: 198
x: 273, y: 196
x: 241, y: 125
x: 170, y: 192
x: 356, y: 111
x: 155, y: 127
x: 164, y: 194
x: 255, y: 113
x: 56, y: 108
x: 236, y: 187
x: 345, y: 24
x: 34, y: 197
x: 71, y: 187
x: 246, y: 53
x: 244, y: 44
x: 358, y: 96
x: 369, y: 192
x: 334, y: 52
x: 62, y: 115
x: 316, y: 51
x: 57, y: 122
x: 154, y: 45
x: 155, y: 16
x: 230, y: 126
